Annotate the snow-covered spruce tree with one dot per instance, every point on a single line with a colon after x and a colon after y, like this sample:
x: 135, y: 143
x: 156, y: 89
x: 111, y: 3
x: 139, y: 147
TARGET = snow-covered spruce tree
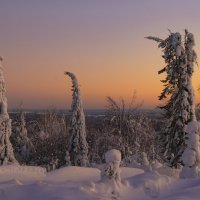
x: 22, y: 145
x: 78, y: 147
x: 6, y: 149
x: 191, y: 155
x: 179, y: 108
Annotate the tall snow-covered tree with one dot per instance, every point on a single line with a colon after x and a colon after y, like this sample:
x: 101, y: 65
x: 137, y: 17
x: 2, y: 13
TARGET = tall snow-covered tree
x: 78, y: 147
x: 6, y: 149
x: 179, y: 108
x: 23, y: 147
x: 191, y: 154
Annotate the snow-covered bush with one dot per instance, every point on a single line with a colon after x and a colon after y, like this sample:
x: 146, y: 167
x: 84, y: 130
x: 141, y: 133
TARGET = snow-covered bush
x: 49, y: 135
x: 23, y: 147
x: 130, y: 130
x: 145, y: 162
x: 156, y: 165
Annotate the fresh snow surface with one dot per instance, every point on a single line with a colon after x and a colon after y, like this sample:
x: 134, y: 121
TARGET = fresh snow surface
x: 79, y: 183
x: 113, y: 155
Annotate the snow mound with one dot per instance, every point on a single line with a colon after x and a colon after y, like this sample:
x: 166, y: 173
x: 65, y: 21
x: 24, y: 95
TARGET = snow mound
x: 127, y: 172
x: 113, y: 155
x: 168, y: 171
x: 104, y: 191
x: 151, y: 183
x: 21, y: 173
x: 72, y: 173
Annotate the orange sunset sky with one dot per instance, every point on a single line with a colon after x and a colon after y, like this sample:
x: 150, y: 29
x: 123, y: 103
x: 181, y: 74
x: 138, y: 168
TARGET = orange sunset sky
x: 102, y: 42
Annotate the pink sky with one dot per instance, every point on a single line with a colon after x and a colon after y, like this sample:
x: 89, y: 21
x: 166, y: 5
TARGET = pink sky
x: 102, y: 42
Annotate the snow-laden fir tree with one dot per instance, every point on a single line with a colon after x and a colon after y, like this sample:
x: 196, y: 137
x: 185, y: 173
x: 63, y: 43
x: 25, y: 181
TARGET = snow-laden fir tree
x: 78, y: 147
x: 6, y: 149
x: 191, y: 155
x: 23, y: 147
x: 179, y: 108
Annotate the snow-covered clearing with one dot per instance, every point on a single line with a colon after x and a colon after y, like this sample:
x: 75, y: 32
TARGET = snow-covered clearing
x: 71, y: 183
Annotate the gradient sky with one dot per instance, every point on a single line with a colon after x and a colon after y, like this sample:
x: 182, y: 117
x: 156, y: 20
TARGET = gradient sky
x: 101, y: 41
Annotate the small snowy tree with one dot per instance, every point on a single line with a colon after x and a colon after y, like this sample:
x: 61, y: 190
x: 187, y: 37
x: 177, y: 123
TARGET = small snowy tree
x: 6, y: 149
x: 78, y: 147
x: 23, y: 146
x: 110, y: 173
x: 179, y: 109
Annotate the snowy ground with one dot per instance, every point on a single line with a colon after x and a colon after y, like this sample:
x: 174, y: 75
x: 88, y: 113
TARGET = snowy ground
x: 74, y: 183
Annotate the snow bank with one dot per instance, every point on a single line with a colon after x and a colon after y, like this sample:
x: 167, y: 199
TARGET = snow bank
x: 72, y: 173
x: 151, y: 183
x: 168, y: 171
x: 127, y: 172
x: 22, y: 173
x: 57, y: 185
